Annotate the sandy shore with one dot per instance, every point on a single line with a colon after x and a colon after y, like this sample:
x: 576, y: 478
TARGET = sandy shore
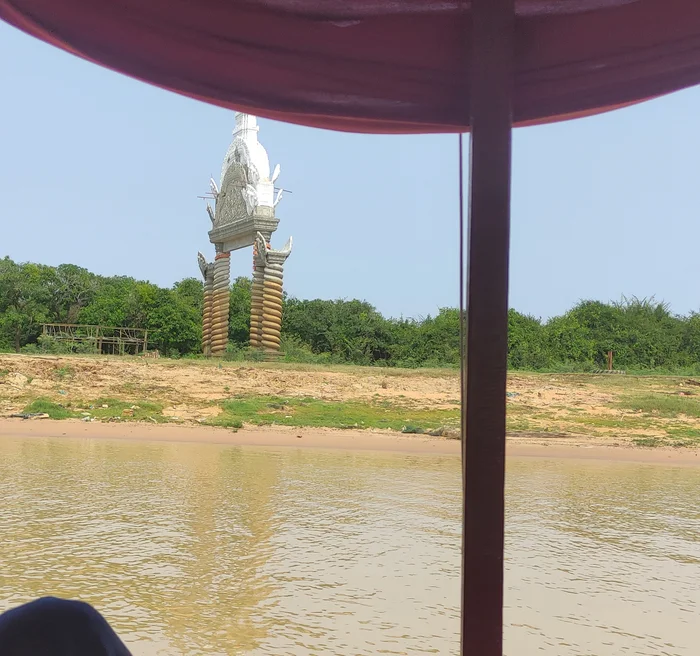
x: 279, y: 436
x: 383, y: 441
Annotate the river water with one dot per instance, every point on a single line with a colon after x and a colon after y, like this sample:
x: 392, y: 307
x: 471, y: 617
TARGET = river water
x: 208, y: 549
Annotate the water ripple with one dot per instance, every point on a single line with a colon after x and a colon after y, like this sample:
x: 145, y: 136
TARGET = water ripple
x: 204, y: 549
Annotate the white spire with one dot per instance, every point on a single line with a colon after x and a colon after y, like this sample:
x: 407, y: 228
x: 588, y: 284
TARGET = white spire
x: 246, y: 123
x: 245, y: 141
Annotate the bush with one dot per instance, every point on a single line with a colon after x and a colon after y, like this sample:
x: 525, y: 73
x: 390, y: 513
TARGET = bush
x: 295, y: 350
x: 48, y: 344
x: 643, y: 334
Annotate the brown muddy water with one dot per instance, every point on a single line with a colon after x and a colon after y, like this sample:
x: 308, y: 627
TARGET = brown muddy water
x: 207, y: 549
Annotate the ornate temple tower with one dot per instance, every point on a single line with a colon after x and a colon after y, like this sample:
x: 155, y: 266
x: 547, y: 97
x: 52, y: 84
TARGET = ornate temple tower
x: 244, y: 215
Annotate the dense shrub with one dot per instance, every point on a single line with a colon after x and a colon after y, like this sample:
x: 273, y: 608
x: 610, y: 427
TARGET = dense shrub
x: 643, y: 334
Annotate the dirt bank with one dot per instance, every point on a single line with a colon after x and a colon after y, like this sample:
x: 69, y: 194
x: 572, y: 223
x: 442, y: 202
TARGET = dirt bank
x: 198, y: 382
x: 543, y: 409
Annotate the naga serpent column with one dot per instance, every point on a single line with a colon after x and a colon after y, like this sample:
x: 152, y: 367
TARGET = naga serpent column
x: 221, y: 301
x: 268, y: 318
x: 208, y: 275
x: 256, y: 297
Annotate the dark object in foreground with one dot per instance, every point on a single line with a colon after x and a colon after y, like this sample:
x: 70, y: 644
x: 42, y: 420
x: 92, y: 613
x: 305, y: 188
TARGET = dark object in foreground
x: 57, y: 627
x: 30, y: 415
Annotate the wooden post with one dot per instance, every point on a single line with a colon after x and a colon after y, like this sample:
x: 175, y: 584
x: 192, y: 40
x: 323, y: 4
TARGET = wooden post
x: 610, y: 360
x: 145, y: 342
x: 485, y: 358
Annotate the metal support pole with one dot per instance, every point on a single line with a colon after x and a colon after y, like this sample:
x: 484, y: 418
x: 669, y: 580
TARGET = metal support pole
x: 485, y: 358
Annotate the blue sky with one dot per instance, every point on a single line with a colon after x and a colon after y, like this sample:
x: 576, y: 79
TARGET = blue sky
x: 103, y: 171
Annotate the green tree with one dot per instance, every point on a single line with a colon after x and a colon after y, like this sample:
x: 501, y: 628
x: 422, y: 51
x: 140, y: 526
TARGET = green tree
x: 70, y: 288
x: 191, y: 292
x: 174, y: 325
x: 527, y: 346
x: 690, y: 340
x: 24, y: 303
x: 111, y: 304
x: 642, y: 333
x: 652, y: 335
x: 432, y: 341
x: 239, y: 312
x: 568, y: 341
x: 350, y: 331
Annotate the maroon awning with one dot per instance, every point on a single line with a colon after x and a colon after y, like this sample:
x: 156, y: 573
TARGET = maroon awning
x: 377, y: 65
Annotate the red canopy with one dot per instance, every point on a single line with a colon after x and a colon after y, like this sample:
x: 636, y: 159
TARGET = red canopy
x: 377, y: 65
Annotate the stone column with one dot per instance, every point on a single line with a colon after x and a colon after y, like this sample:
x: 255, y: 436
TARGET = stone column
x: 207, y: 270
x: 221, y: 300
x: 256, y: 298
x: 272, y: 301
x: 207, y: 312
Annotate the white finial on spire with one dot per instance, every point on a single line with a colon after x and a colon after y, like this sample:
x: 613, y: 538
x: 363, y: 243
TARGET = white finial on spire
x: 245, y: 123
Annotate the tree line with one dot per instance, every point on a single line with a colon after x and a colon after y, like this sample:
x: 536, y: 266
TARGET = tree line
x: 643, y: 334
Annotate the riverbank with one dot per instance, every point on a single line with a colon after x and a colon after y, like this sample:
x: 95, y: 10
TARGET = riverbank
x: 553, y: 409
x: 346, y: 440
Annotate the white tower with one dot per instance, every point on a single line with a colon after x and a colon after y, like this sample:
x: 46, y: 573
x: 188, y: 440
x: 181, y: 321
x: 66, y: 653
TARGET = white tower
x: 243, y: 215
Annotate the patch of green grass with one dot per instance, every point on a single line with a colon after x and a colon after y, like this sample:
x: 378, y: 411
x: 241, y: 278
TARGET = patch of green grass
x: 310, y: 412
x: 681, y: 437
x: 662, y: 405
x: 609, y: 422
x: 519, y: 408
x: 410, y: 429
x: 64, y: 372
x: 53, y: 410
x: 518, y: 425
x: 648, y: 441
x: 226, y: 420
x: 126, y: 410
x: 4, y: 372
x: 684, y: 436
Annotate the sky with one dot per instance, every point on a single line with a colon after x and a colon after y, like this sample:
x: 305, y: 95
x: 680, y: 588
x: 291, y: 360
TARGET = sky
x: 103, y: 171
